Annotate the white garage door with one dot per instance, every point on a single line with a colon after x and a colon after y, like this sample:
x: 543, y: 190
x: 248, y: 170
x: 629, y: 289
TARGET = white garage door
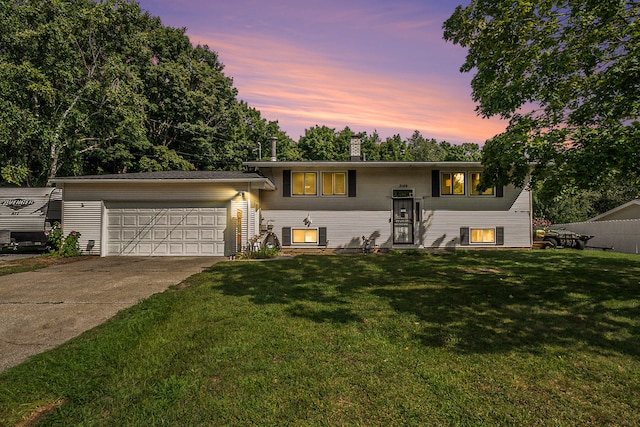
x: 166, y: 232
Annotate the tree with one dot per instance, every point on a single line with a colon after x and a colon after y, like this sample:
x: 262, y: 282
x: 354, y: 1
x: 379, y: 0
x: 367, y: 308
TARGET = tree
x: 318, y: 143
x: 566, y: 74
x: 424, y: 150
x: 91, y: 87
x: 393, y: 149
x: 465, y: 152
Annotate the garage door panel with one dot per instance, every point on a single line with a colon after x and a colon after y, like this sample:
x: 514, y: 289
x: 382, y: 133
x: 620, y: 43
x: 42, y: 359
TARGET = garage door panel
x: 207, y: 235
x: 176, y: 219
x: 145, y: 219
x: 130, y: 220
x: 128, y: 234
x: 175, y: 231
x: 192, y: 220
x: 160, y: 234
x: 207, y: 220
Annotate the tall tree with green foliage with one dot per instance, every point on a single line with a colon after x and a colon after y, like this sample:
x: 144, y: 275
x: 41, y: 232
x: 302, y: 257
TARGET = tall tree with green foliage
x: 92, y: 87
x: 566, y: 74
x: 424, y: 150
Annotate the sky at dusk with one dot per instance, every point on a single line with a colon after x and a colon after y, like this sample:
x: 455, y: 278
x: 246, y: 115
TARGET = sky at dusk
x: 372, y: 65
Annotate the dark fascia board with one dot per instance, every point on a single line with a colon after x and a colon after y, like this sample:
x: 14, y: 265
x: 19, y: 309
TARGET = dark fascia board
x: 213, y: 177
x: 357, y: 165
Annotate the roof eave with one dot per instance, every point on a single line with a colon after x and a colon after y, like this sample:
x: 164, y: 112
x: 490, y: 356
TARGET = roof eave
x: 267, y: 182
x: 360, y: 164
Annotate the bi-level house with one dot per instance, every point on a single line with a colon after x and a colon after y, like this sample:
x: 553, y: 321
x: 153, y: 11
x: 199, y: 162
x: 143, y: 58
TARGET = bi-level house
x: 307, y: 205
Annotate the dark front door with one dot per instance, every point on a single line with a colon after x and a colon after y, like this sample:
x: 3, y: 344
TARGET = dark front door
x: 403, y: 221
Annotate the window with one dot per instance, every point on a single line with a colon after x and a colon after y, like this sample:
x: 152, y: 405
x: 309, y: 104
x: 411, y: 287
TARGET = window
x: 304, y: 183
x: 452, y: 183
x: 483, y: 235
x: 334, y: 184
x: 475, y: 182
x: 304, y: 235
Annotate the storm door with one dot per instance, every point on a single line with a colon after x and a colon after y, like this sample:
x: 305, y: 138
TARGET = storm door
x: 403, y: 221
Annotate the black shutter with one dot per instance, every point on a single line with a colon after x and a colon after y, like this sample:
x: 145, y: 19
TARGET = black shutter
x: 500, y: 191
x: 286, y: 183
x: 322, y: 236
x: 464, y: 236
x: 286, y: 236
x: 435, y: 183
x: 499, y: 236
x: 351, y: 178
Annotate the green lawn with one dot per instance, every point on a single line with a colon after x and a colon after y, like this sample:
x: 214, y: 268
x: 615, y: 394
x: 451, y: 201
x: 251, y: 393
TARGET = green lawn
x: 467, y: 338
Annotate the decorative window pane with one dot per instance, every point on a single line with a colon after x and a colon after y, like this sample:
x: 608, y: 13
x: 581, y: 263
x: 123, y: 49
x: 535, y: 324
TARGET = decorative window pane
x: 298, y: 183
x: 304, y: 183
x: 310, y: 183
x: 334, y: 184
x: 447, y: 183
x: 340, y: 183
x: 452, y: 183
x: 327, y: 183
x: 305, y: 235
x: 458, y: 183
x: 483, y: 235
x: 475, y: 182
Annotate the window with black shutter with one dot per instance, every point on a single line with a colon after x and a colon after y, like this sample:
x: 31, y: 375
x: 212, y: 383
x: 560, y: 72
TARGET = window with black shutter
x: 286, y: 236
x: 464, y: 236
x: 286, y: 183
x: 322, y: 236
x: 499, y: 236
x: 351, y: 182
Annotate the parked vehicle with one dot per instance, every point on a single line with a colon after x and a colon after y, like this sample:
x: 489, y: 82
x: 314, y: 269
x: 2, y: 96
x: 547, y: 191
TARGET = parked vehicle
x: 545, y: 237
x: 26, y: 215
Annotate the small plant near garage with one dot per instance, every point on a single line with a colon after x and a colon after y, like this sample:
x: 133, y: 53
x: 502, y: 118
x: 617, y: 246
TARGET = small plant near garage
x: 61, y: 246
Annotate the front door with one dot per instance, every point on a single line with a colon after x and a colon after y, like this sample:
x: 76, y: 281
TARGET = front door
x: 403, y: 221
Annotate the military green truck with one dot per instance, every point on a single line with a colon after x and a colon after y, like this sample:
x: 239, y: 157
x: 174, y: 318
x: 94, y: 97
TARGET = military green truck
x: 550, y: 237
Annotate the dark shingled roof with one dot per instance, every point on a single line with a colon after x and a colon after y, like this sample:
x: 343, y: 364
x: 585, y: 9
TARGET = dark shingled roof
x: 174, y: 175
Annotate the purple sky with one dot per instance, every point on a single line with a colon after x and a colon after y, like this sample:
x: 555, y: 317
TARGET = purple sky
x: 367, y: 64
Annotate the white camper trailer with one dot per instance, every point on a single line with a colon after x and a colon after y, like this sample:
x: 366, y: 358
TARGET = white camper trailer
x: 26, y: 214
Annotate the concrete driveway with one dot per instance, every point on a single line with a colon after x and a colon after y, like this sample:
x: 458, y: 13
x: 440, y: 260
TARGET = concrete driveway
x: 42, y: 309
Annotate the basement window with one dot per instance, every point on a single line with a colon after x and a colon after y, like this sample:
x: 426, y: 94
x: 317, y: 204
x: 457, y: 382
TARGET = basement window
x: 304, y: 235
x: 483, y: 235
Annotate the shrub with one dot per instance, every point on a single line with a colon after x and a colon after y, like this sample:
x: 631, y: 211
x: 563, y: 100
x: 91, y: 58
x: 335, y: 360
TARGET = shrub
x: 63, y: 247
x: 71, y: 245
x: 263, y: 253
x: 55, y: 237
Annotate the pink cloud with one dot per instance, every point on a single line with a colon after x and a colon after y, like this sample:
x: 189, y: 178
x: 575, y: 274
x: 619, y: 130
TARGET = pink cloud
x: 300, y: 87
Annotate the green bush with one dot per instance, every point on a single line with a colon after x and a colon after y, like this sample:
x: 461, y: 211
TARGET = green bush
x: 71, y: 245
x: 65, y: 247
x: 263, y: 253
x: 55, y: 237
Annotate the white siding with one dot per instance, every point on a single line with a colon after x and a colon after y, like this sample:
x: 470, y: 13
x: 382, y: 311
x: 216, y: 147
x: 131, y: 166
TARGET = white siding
x: 344, y: 229
x: 617, y: 235
x: 442, y: 228
x: 85, y: 218
x: 436, y: 230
